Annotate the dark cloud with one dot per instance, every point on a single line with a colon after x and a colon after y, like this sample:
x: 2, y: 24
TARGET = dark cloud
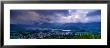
x: 94, y: 13
x: 54, y: 16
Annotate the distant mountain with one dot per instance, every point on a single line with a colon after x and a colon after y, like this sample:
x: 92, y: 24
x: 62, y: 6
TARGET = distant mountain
x: 95, y: 27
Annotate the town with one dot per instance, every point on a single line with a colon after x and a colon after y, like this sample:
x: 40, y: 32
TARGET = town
x: 54, y: 34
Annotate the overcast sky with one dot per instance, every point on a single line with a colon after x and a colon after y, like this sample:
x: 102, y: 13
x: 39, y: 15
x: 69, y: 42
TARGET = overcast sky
x: 55, y: 16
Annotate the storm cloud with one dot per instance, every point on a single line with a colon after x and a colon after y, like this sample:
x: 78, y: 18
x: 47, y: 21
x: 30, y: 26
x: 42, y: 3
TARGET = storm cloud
x: 55, y: 16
